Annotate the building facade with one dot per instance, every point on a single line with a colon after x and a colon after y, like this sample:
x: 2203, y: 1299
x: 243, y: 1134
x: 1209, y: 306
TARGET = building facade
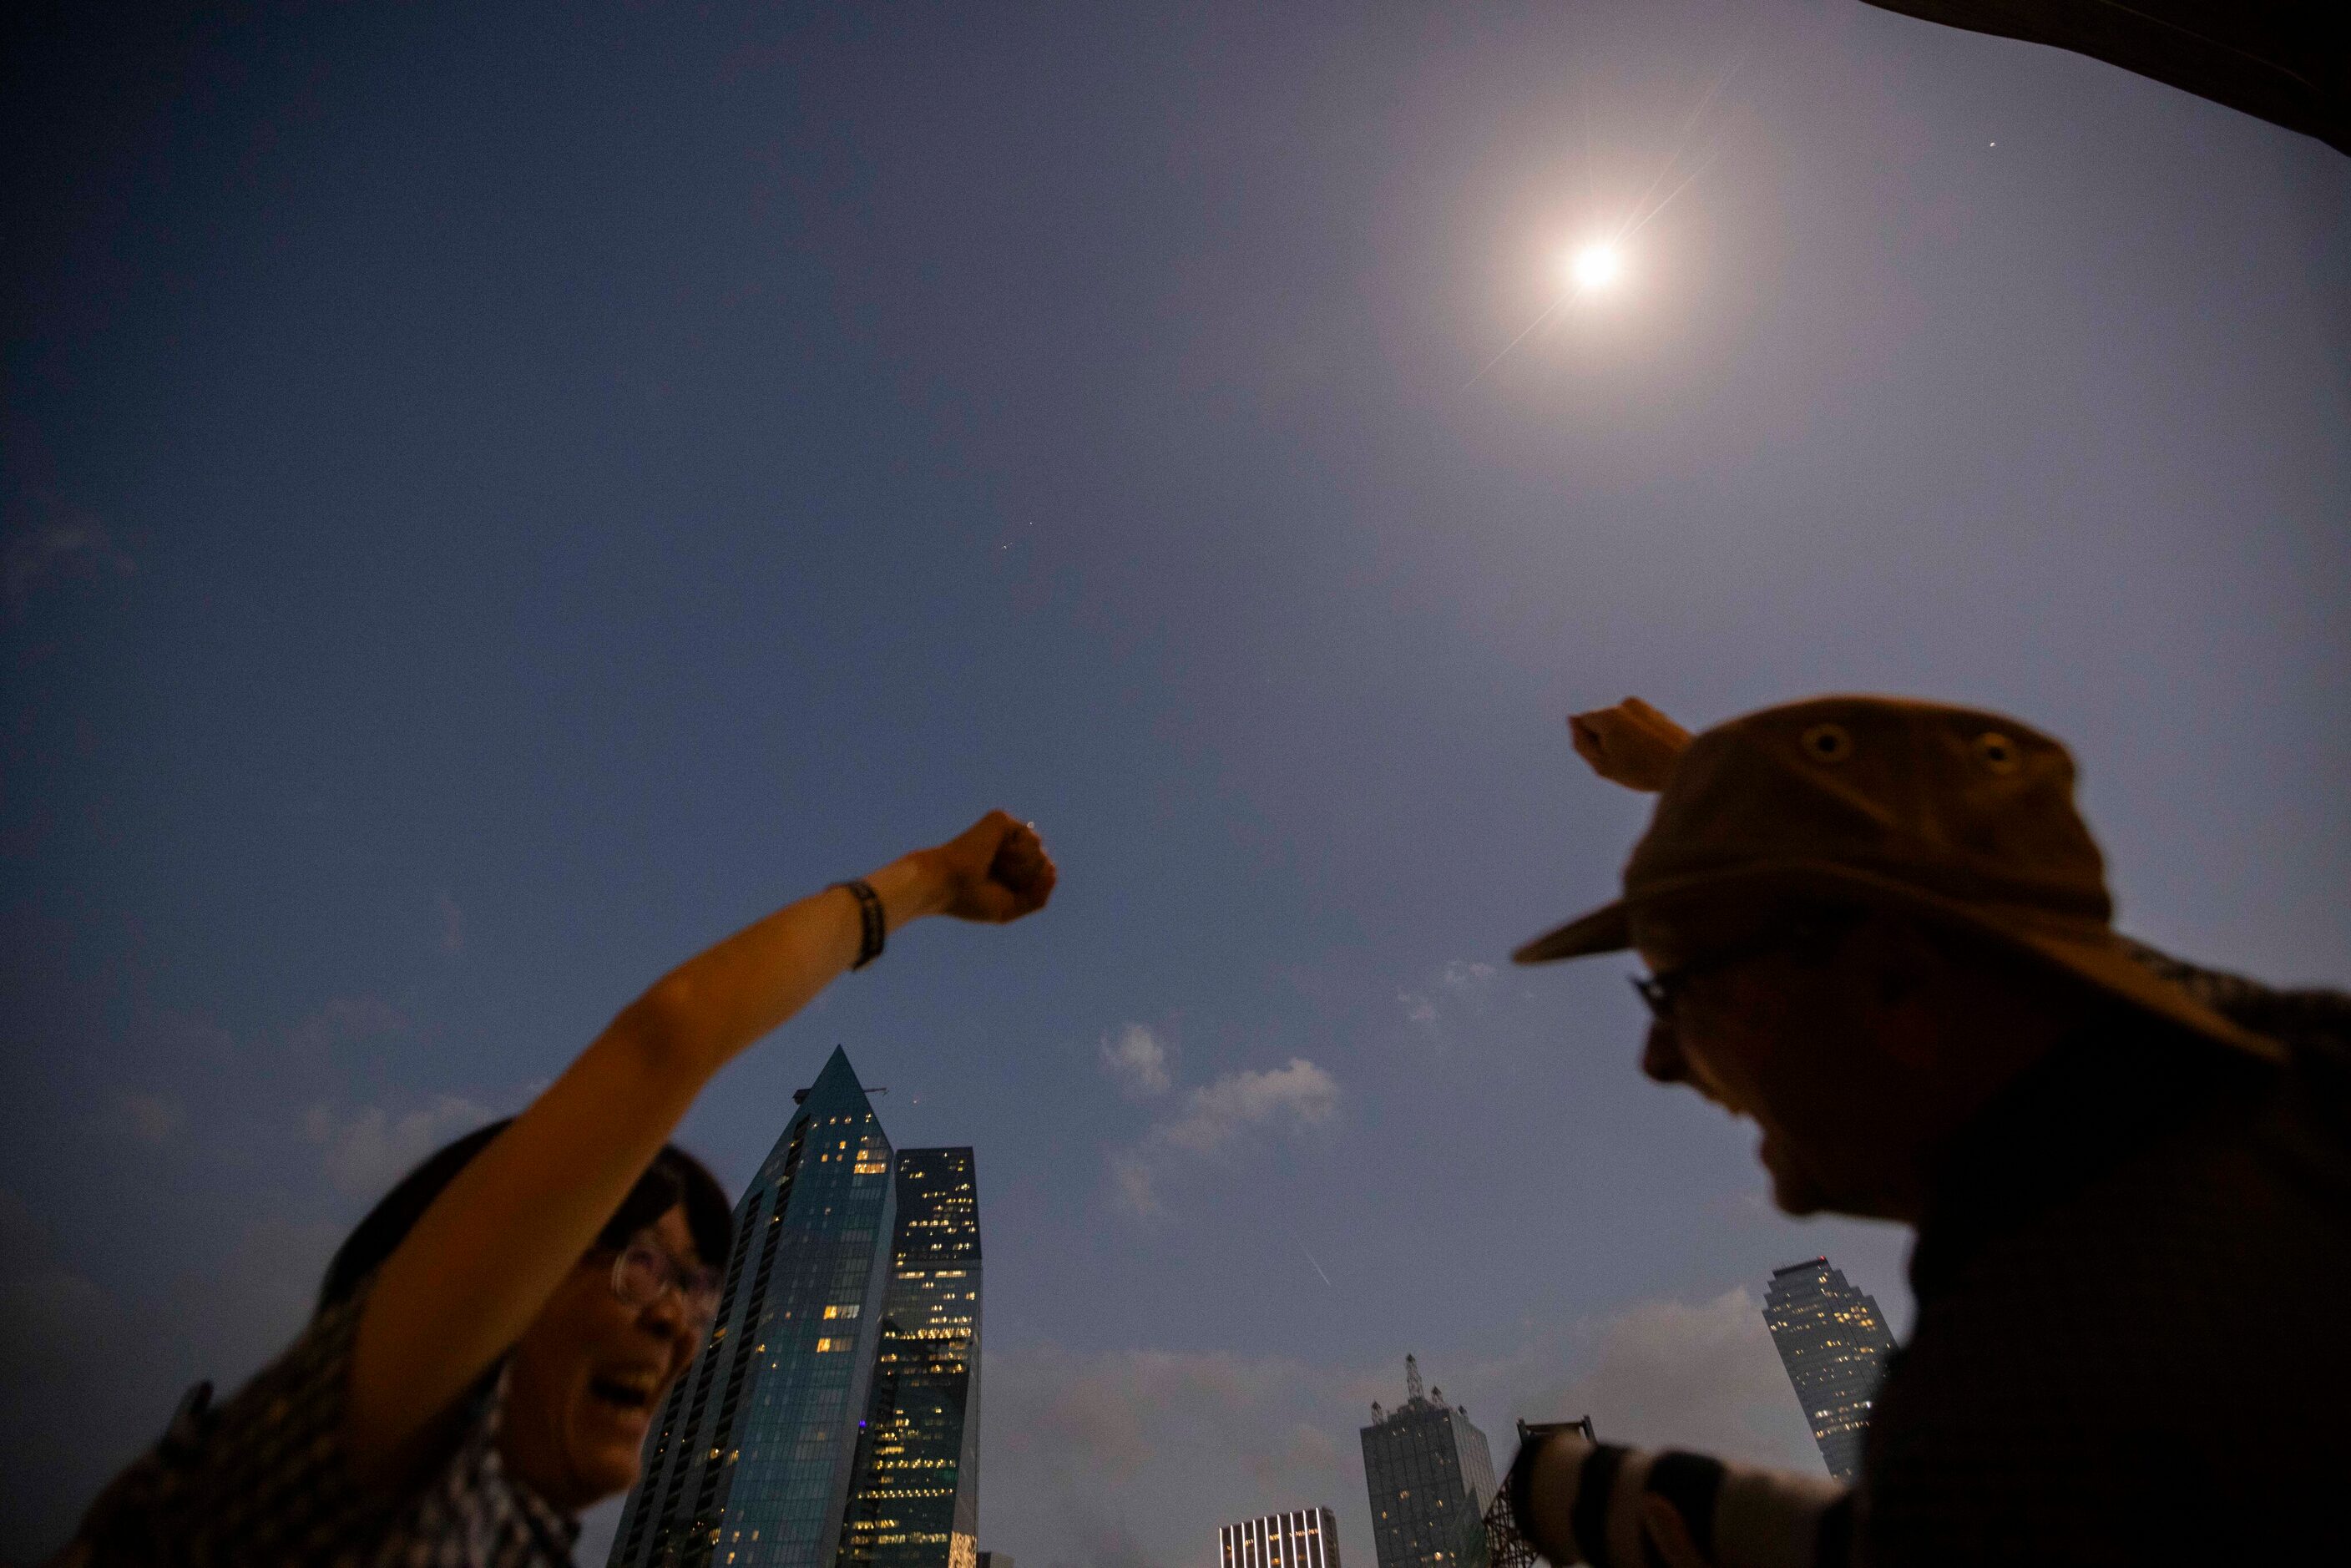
x: 1303, y: 1538
x: 1430, y: 1477
x: 914, y: 1499
x: 748, y: 1461
x: 1835, y: 1344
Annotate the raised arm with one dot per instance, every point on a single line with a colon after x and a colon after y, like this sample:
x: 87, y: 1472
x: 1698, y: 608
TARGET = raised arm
x: 490, y: 1251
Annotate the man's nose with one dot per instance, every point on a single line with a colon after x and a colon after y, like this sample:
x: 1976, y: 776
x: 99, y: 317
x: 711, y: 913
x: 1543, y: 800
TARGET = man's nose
x: 1661, y: 1055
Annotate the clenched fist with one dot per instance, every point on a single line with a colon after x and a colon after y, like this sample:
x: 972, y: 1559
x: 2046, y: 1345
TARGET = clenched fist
x: 996, y: 870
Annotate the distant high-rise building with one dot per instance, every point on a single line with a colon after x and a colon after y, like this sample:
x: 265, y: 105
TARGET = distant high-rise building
x: 748, y: 1461
x: 1835, y: 1344
x: 1430, y: 1477
x: 1304, y: 1538
x: 913, y: 1501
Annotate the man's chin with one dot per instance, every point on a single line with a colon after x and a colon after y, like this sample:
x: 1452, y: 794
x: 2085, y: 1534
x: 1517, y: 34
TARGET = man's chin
x: 1799, y: 1204
x: 1794, y: 1191
x: 1799, y: 1195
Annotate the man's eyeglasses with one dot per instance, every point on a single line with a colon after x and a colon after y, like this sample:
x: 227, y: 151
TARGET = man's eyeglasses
x: 1661, y: 991
x: 644, y: 1271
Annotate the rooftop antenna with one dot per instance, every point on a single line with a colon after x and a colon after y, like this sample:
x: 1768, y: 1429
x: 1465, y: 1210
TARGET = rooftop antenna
x: 1412, y: 1378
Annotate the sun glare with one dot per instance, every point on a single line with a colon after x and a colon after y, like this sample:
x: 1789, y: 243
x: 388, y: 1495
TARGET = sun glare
x: 1595, y: 267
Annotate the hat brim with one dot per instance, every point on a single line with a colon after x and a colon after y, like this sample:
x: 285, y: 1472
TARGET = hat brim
x: 1608, y: 930
x: 2086, y: 949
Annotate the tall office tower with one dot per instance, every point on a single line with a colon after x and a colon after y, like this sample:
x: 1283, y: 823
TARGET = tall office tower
x: 1430, y: 1477
x: 1303, y: 1538
x: 1834, y: 1342
x: 748, y: 1461
x: 913, y: 1501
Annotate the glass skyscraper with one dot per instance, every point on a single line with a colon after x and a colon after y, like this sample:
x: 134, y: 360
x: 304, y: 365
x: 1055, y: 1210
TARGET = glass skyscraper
x: 1833, y: 1341
x: 748, y: 1461
x: 913, y: 1501
x: 1430, y: 1477
x: 1303, y: 1538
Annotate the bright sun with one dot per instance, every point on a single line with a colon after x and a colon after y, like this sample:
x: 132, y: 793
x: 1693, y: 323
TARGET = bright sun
x: 1595, y: 267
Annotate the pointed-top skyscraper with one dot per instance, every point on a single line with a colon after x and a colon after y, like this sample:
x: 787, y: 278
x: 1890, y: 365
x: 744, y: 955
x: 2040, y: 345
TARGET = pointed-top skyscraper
x: 749, y: 1461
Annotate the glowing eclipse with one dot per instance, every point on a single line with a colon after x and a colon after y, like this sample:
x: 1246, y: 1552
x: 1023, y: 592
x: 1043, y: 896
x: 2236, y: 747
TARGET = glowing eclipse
x: 1595, y: 267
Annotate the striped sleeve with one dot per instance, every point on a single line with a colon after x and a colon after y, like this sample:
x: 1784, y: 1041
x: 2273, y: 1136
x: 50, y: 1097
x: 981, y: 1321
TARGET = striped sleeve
x: 1738, y: 1516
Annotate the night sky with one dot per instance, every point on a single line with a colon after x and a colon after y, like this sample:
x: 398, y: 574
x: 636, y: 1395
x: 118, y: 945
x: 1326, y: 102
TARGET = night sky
x: 499, y: 496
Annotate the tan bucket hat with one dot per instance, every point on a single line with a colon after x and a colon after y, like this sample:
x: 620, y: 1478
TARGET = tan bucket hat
x: 1952, y: 812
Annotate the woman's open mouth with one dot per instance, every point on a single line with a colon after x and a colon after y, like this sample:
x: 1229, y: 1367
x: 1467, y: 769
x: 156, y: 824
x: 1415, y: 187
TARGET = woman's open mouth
x: 630, y: 1394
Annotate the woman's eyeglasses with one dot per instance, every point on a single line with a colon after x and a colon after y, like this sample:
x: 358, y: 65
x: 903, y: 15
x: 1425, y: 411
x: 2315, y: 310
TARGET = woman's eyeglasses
x: 645, y: 1270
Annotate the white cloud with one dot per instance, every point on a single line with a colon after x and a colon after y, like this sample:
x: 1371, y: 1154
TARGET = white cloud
x: 370, y: 1150
x: 1461, y: 990
x: 1117, y: 1457
x: 1304, y: 1451
x: 1300, y: 1094
x: 155, y: 1117
x: 1209, y: 1120
x: 1133, y: 1186
x: 1135, y: 1057
x: 344, y: 1019
x: 1697, y: 1375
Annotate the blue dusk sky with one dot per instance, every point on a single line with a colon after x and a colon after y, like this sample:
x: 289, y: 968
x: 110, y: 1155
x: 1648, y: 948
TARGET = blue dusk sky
x: 499, y: 496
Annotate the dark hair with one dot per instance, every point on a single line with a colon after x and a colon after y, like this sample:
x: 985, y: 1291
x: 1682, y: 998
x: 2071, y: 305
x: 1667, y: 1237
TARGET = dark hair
x: 675, y: 1178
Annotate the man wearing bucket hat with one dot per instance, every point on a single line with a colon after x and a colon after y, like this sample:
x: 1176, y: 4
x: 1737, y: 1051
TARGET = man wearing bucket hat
x: 1880, y: 929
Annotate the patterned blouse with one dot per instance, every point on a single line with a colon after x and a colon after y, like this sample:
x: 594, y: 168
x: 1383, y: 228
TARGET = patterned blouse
x: 263, y: 1479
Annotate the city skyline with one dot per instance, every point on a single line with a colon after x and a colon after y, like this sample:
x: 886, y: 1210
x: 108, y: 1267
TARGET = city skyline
x: 494, y: 499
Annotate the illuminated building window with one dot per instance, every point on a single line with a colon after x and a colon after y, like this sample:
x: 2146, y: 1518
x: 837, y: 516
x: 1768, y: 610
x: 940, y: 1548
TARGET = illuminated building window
x: 856, y: 1438
x: 1834, y: 1345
